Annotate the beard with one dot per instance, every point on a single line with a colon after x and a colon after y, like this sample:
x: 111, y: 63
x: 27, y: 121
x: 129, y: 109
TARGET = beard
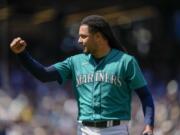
x: 85, y: 49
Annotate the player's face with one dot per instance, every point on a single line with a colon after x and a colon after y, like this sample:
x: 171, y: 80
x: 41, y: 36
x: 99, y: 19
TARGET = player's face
x: 87, y: 39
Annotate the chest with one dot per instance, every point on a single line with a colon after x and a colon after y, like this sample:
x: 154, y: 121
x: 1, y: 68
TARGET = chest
x: 106, y: 72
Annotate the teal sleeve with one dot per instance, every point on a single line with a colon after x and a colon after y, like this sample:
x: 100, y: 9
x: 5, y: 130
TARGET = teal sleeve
x: 134, y: 75
x: 64, y: 69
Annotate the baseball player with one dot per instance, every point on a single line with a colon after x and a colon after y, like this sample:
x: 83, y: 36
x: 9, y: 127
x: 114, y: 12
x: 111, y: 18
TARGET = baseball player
x: 103, y: 78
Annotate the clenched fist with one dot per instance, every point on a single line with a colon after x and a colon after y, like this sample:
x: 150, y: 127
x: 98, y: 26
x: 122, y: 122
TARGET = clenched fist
x: 18, y: 45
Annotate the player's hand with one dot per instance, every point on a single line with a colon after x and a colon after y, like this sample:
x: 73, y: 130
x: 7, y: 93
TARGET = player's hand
x: 148, y: 130
x: 18, y: 45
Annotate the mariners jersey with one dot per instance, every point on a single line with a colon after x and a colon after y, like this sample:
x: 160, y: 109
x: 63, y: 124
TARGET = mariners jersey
x: 103, y: 90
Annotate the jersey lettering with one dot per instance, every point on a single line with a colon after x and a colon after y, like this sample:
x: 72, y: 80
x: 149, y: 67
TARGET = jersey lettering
x: 98, y: 77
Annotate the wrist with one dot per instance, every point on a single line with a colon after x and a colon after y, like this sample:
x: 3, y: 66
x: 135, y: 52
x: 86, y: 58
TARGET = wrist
x: 149, y: 127
x: 148, y: 130
x: 148, y: 133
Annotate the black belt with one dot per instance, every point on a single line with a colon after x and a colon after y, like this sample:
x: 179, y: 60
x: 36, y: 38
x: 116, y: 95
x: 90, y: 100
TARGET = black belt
x: 102, y: 124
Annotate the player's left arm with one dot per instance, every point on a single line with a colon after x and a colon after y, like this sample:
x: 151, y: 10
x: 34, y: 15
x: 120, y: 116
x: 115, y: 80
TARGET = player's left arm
x: 148, y: 109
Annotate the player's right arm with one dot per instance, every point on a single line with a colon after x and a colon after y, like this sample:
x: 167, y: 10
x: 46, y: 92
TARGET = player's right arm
x: 41, y: 72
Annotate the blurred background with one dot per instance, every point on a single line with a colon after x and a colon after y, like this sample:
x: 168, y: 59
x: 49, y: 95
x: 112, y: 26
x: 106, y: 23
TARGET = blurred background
x: 149, y: 29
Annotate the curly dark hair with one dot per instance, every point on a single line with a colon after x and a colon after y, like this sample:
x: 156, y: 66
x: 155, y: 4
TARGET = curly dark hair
x: 98, y: 23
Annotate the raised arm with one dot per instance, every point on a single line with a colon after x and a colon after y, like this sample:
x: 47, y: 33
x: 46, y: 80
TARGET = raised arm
x: 44, y: 74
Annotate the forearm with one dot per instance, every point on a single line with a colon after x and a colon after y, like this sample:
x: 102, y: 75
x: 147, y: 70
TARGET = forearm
x: 41, y: 72
x: 147, y: 105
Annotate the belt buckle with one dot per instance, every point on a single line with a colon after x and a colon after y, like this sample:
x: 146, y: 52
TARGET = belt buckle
x: 109, y: 123
x: 95, y: 124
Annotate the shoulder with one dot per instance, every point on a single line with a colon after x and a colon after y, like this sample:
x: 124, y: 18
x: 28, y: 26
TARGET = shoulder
x: 71, y: 61
x: 125, y: 58
x: 128, y: 57
x: 123, y: 55
x: 75, y: 59
x: 79, y: 56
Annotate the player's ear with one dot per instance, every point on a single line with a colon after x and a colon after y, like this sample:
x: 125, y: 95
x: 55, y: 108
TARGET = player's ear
x: 98, y: 36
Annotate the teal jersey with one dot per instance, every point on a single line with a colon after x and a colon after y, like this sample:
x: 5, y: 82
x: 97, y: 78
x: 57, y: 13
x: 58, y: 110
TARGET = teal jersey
x: 103, y: 90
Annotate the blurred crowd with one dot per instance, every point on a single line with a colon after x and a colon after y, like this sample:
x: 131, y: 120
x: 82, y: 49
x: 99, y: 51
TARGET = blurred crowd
x: 31, y: 107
